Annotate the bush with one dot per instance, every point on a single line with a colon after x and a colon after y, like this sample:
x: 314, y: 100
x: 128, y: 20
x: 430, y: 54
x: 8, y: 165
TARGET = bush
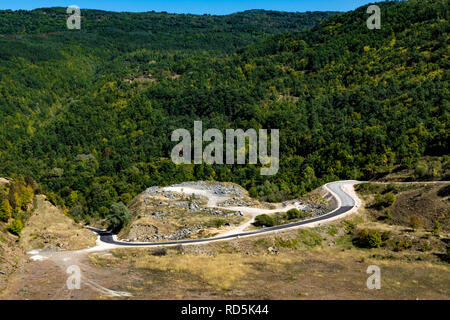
x: 5, y: 210
x: 368, y: 239
x: 385, y: 236
x: 217, y: 223
x: 118, y: 216
x: 384, y: 201
x: 293, y: 214
x: 400, y: 245
x: 421, y: 169
x: 264, y: 220
x: 436, y: 228
x: 391, y: 187
x: 15, y: 227
x: 414, y: 222
x: 159, y: 252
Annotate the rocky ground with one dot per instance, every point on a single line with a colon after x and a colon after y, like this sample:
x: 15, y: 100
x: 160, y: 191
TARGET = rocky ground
x: 200, y: 209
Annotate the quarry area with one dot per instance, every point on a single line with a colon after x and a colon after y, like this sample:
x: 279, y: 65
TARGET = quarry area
x: 202, y: 209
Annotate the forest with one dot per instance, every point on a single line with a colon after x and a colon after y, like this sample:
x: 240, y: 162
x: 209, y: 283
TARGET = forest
x: 88, y: 113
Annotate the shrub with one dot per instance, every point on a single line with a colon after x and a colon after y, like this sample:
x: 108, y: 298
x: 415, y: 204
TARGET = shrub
x: 293, y: 214
x: 349, y: 226
x: 15, y: 227
x: 264, y: 220
x: 159, y: 252
x: 400, y: 245
x: 421, y: 169
x: 387, y: 214
x: 384, y: 201
x: 385, y: 236
x: 391, y: 187
x: 414, y: 222
x: 368, y: 239
x: 217, y: 223
x: 436, y: 228
x: 5, y: 210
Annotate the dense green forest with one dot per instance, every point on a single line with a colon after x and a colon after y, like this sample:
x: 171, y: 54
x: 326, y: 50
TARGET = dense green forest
x: 89, y: 113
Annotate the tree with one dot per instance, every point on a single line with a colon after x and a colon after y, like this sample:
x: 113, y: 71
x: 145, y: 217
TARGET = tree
x: 5, y: 210
x: 118, y: 216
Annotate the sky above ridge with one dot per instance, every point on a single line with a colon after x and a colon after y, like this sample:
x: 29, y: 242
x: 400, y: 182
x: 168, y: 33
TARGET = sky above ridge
x: 192, y: 6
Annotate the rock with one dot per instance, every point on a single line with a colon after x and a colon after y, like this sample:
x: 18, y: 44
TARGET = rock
x: 2, y: 272
x: 272, y: 250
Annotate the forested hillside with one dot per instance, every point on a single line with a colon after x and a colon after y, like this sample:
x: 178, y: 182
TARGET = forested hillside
x: 89, y: 114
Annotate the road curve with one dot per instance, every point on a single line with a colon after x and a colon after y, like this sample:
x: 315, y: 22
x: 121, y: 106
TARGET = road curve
x: 342, y: 191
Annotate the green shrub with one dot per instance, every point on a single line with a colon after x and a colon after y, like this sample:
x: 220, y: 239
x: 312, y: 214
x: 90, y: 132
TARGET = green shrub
x: 15, y: 227
x: 293, y: 214
x: 264, y: 220
x: 436, y: 228
x: 384, y: 201
x: 387, y: 214
x: 5, y: 210
x: 391, y: 187
x: 385, y: 236
x: 401, y: 245
x: 421, y: 169
x: 349, y: 226
x: 217, y: 223
x: 368, y: 239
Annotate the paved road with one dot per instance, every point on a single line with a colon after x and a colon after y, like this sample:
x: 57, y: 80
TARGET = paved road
x: 346, y: 201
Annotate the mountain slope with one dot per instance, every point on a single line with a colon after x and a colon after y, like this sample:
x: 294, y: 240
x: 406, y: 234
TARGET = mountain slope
x: 350, y: 102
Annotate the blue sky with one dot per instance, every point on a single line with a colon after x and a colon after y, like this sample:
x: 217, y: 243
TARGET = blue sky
x: 192, y: 6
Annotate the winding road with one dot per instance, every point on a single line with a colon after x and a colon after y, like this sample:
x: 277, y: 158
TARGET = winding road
x: 342, y: 191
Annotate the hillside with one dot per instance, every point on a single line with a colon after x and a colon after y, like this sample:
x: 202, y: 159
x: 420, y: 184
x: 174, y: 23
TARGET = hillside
x: 92, y: 123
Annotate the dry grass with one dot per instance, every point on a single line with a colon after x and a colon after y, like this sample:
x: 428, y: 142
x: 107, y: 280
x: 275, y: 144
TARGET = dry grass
x: 318, y: 263
x: 319, y: 273
x: 48, y: 227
